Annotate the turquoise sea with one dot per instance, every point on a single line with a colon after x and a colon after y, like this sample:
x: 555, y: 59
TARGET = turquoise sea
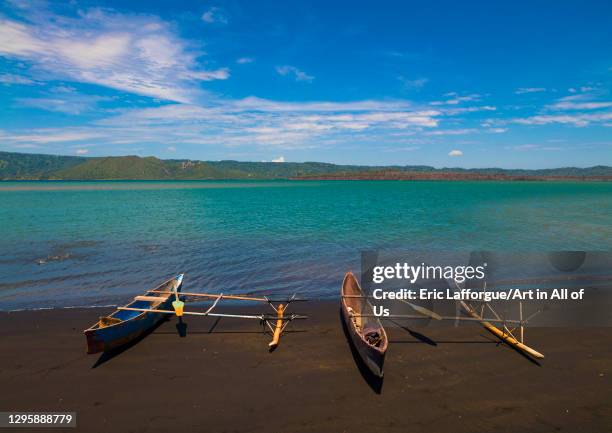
x: 98, y: 243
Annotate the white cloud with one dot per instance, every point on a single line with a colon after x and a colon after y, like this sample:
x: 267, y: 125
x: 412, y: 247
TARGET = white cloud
x: 50, y: 135
x: 401, y: 149
x: 523, y: 90
x: 532, y: 147
x: 15, y: 79
x: 106, y: 49
x: 582, y: 101
x: 15, y: 39
x: 214, y: 15
x: 417, y: 84
x: 455, y: 153
x: 567, y: 105
x: 249, y: 122
x: 144, y: 55
x: 464, y: 110
x: 218, y: 74
x: 455, y: 99
x: 526, y: 147
x: 579, y: 109
x: 279, y: 159
x: 260, y: 104
x: 63, y: 100
x: 82, y: 151
x: 462, y: 131
x: 132, y: 53
x: 580, y: 119
x: 294, y: 115
x: 295, y: 72
x: 52, y: 104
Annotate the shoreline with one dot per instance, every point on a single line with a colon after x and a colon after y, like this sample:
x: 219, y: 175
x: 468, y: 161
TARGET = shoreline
x: 453, y: 177
x: 42, y: 185
x: 220, y: 377
x: 450, y: 177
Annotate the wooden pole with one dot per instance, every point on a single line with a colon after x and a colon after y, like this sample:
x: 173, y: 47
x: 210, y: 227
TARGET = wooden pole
x: 193, y: 313
x: 237, y: 316
x: 207, y: 295
x: 511, y: 340
x: 521, y: 319
x: 457, y: 318
x: 279, y: 326
x: 504, y: 336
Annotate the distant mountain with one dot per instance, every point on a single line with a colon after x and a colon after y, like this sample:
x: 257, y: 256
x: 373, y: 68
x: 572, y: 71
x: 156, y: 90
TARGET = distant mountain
x: 24, y: 166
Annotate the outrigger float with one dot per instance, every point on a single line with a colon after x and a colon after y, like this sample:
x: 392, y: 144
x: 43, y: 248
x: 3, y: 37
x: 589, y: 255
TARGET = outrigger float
x: 140, y: 316
x: 370, y: 339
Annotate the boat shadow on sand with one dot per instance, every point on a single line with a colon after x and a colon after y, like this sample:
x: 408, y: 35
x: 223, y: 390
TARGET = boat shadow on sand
x: 181, y: 330
x: 488, y: 339
x: 107, y: 356
x: 373, y: 381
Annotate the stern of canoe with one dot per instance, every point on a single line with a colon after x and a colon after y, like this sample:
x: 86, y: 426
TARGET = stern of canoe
x: 111, y: 337
x: 373, y: 357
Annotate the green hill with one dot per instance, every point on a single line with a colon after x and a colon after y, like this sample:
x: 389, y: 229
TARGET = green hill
x: 116, y: 167
x: 32, y: 166
x: 23, y: 166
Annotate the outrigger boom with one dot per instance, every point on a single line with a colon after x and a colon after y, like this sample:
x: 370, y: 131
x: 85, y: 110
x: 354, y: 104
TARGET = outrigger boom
x: 282, y: 320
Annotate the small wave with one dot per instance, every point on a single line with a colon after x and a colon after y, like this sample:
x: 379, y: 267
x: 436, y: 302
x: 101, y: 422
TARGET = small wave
x: 51, y: 280
x: 150, y: 248
x: 54, y: 258
x: 61, y: 251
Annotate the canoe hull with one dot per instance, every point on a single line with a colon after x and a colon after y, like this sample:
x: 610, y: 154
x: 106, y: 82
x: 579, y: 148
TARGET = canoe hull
x: 373, y: 357
x: 104, y: 339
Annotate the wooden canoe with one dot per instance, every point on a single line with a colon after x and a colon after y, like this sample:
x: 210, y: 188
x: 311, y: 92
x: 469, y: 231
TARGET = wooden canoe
x: 367, y: 333
x: 124, y: 326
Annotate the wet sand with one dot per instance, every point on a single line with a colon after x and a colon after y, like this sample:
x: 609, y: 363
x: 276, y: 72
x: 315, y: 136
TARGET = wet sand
x: 221, y: 378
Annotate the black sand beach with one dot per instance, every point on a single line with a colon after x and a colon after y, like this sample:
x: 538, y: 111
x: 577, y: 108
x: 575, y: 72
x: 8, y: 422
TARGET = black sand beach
x: 220, y: 378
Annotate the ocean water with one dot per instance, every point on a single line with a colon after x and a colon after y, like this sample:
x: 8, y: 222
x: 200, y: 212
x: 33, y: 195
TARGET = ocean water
x: 99, y: 243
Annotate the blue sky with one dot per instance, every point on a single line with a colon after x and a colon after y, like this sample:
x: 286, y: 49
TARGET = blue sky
x: 467, y: 84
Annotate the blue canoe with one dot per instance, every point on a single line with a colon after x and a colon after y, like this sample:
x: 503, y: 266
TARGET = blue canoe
x: 124, y: 326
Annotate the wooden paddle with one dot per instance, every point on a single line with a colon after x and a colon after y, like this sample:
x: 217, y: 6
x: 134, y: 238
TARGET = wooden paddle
x: 178, y: 305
